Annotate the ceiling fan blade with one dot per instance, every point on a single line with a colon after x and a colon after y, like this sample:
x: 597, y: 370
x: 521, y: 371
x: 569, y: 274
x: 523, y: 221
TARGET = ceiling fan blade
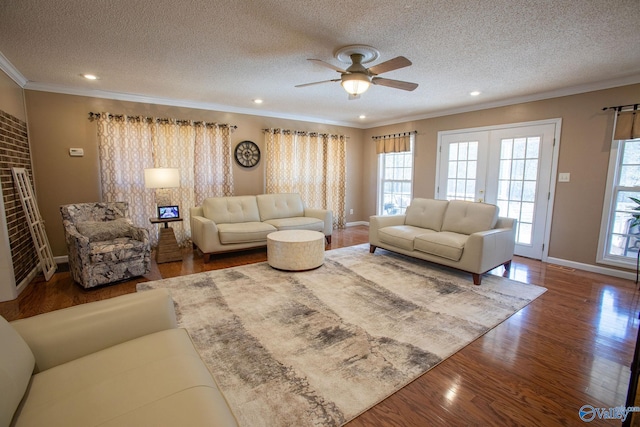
x: 397, y: 84
x: 317, y: 83
x: 392, y: 64
x: 326, y: 64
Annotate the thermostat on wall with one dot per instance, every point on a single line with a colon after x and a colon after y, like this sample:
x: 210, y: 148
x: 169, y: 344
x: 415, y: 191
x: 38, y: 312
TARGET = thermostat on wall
x: 76, y: 152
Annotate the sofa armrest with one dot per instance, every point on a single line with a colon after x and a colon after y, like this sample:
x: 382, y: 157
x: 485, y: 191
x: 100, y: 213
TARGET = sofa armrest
x: 204, y: 233
x: 490, y: 248
x: 377, y: 222
x: 141, y: 234
x: 63, y: 335
x: 325, y: 215
x: 72, y: 234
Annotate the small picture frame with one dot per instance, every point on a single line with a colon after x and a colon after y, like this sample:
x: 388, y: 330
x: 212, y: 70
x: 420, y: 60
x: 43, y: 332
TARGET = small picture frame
x: 168, y: 212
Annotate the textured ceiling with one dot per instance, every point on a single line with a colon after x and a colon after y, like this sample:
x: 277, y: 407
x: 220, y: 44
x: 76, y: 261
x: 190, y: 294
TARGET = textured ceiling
x: 223, y: 54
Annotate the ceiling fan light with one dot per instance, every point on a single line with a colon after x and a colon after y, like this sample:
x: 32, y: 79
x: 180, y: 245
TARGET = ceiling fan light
x: 355, y: 84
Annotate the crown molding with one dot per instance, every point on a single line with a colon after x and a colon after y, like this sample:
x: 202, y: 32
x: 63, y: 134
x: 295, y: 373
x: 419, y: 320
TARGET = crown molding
x: 12, y: 71
x: 119, y: 96
x: 572, y: 90
x: 16, y: 76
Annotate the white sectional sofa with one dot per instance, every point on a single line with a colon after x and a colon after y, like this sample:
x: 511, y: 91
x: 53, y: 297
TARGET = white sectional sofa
x: 117, y: 362
x: 464, y: 235
x: 225, y: 224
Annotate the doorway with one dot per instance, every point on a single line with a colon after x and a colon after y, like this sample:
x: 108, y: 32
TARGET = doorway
x: 511, y: 166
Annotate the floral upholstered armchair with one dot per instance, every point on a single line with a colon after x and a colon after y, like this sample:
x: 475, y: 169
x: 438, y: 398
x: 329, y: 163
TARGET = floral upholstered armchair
x: 103, y: 244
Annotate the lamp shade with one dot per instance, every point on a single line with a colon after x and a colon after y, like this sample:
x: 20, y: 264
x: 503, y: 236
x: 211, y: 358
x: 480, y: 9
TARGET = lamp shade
x: 162, y: 178
x: 355, y: 83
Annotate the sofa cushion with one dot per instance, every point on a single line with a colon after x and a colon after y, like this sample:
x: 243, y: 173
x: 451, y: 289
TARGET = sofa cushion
x: 297, y: 223
x: 444, y: 244
x: 284, y: 205
x: 401, y: 236
x: 16, y: 366
x: 426, y: 213
x: 116, y: 385
x: 469, y: 217
x: 97, y: 231
x: 116, y: 250
x: 244, y: 232
x: 231, y: 210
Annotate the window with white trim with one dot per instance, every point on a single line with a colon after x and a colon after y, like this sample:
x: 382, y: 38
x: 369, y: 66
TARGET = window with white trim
x: 619, y: 239
x: 395, y: 181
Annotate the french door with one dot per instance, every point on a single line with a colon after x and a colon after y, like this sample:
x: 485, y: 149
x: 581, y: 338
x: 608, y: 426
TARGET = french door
x: 510, y: 166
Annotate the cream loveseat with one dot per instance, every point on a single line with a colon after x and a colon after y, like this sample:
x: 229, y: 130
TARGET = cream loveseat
x: 464, y: 235
x: 117, y: 362
x: 225, y: 224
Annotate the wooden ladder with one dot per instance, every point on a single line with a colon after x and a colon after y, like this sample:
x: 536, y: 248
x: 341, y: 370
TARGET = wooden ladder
x: 36, y: 224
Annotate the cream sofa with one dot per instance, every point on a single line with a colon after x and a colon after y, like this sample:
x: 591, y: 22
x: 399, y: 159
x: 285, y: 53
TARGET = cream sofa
x: 464, y: 235
x: 117, y: 362
x: 225, y: 224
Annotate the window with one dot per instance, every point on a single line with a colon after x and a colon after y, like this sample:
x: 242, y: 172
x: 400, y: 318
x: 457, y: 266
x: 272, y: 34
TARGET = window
x: 462, y: 166
x: 517, y: 182
x: 395, y: 178
x: 619, y: 241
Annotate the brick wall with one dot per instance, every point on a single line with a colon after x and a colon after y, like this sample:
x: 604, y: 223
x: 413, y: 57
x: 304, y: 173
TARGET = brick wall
x: 14, y: 152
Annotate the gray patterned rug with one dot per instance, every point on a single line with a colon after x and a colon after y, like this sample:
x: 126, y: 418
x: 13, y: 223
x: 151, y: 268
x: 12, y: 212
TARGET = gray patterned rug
x: 317, y: 348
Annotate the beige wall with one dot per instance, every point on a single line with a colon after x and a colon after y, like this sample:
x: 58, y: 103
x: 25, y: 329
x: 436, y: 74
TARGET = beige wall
x: 11, y: 97
x: 584, y: 152
x: 58, y: 122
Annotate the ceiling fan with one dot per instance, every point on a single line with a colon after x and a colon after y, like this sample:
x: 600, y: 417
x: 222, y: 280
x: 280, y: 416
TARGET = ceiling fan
x: 356, y: 79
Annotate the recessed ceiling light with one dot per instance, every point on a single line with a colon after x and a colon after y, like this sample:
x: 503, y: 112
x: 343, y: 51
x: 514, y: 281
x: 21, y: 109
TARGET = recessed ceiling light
x: 258, y: 101
x: 362, y: 116
x: 90, y: 76
x: 474, y: 93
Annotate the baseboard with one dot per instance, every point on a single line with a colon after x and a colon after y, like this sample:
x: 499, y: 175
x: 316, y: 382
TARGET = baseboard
x: 61, y: 259
x: 592, y: 268
x: 353, y: 224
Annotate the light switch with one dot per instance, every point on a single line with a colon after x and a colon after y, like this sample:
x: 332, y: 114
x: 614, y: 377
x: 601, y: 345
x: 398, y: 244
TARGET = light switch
x: 564, y: 177
x: 76, y: 152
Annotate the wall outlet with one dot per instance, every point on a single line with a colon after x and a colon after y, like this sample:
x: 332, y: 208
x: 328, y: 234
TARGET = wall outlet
x: 350, y: 211
x: 564, y: 177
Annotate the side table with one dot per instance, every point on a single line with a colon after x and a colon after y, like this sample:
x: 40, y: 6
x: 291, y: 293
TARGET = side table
x: 168, y: 249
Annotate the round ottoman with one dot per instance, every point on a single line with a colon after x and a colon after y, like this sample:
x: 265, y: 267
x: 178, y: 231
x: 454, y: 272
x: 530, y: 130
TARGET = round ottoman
x: 295, y: 250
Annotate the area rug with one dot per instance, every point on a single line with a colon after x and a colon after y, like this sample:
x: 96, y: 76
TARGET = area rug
x: 318, y: 348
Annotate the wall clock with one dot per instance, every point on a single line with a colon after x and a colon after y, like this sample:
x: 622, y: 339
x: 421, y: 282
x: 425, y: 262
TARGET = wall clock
x: 247, y: 154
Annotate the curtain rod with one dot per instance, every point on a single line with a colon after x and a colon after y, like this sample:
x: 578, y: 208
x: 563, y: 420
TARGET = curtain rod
x: 413, y: 132
x: 300, y: 132
x: 619, y: 108
x: 95, y: 116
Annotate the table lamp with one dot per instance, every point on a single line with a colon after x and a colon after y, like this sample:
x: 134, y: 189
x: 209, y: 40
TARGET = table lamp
x: 162, y: 179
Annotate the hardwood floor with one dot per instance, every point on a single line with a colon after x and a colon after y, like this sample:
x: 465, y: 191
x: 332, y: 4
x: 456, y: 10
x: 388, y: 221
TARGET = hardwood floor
x: 571, y: 347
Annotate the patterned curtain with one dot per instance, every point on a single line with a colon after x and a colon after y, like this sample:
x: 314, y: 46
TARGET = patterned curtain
x: 335, y: 170
x: 173, y: 147
x: 313, y: 165
x: 125, y: 149
x: 214, y: 168
x: 128, y: 145
x: 280, y: 168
